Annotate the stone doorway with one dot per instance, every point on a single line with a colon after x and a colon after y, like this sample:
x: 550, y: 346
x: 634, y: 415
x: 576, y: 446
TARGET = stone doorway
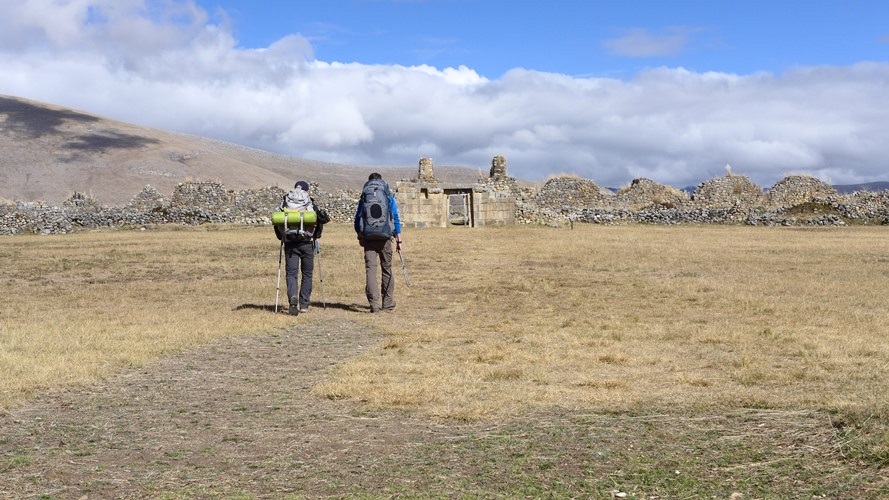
x: 460, y: 208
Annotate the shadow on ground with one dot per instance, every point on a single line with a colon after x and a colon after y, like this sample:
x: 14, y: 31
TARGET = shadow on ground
x: 315, y: 306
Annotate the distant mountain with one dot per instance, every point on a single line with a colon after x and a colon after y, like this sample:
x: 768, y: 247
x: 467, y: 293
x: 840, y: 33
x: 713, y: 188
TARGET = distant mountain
x: 841, y: 188
x: 48, y: 152
x: 868, y: 186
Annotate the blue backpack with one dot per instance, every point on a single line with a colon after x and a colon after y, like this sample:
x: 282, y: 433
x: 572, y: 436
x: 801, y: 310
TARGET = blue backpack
x: 376, y: 220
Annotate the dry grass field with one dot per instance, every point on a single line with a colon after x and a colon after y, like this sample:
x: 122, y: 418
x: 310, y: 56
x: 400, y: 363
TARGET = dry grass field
x: 700, y: 344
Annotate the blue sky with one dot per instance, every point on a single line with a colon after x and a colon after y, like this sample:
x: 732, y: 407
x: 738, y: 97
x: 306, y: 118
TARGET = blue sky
x: 610, y: 91
x: 577, y: 38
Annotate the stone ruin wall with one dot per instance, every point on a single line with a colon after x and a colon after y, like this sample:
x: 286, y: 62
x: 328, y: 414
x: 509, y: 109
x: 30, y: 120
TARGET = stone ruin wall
x: 424, y: 201
x: 191, y: 203
x: 424, y: 205
x: 731, y: 199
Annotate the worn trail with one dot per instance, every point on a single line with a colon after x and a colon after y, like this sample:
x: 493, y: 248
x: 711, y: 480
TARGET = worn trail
x: 235, y: 416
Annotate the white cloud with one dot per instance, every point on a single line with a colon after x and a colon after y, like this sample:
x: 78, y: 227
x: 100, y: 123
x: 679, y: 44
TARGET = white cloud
x: 642, y: 43
x: 177, y: 70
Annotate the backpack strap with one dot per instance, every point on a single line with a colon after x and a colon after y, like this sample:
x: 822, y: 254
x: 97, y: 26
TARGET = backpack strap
x: 302, y: 226
x: 286, y: 217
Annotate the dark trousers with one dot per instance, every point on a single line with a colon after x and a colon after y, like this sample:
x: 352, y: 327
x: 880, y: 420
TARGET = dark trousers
x: 300, y: 259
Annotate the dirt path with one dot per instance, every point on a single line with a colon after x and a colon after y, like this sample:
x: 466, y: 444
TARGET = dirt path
x: 233, y: 417
x: 237, y: 418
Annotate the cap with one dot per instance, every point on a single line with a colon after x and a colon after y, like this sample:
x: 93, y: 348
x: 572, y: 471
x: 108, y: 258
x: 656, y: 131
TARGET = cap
x: 302, y: 185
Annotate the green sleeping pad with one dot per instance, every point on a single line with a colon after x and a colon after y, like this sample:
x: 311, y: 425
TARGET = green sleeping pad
x: 293, y: 217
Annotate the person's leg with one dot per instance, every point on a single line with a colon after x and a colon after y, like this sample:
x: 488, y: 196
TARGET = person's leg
x: 372, y: 250
x: 291, y: 270
x: 307, y: 265
x: 387, y: 282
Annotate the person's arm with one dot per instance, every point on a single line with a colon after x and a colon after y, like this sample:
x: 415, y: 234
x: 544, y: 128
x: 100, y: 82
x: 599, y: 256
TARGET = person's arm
x: 319, y: 226
x: 357, y: 223
x: 393, y: 209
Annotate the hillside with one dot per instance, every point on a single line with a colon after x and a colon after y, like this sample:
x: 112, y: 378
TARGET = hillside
x: 48, y: 152
x: 867, y: 186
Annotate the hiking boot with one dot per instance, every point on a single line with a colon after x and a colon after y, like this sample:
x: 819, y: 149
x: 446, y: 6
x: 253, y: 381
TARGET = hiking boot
x: 294, y: 307
x: 303, y: 309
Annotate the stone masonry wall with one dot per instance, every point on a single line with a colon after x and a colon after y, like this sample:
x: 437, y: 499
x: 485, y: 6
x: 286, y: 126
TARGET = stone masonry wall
x: 190, y: 204
x: 731, y: 199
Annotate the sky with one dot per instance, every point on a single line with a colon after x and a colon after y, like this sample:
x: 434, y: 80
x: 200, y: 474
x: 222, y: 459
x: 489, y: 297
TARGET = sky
x: 672, y: 91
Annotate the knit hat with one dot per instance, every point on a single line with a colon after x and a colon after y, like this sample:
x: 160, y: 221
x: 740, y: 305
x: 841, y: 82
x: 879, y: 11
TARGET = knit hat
x: 302, y: 185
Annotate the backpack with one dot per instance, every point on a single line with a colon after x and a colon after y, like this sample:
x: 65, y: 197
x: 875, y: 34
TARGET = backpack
x: 298, y: 200
x: 376, y: 220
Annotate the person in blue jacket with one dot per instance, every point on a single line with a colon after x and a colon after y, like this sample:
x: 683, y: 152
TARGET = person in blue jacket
x: 377, y: 223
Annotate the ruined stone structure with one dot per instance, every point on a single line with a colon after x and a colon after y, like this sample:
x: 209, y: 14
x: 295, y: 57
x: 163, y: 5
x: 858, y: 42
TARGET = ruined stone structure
x: 207, y: 195
x: 426, y: 173
x: 643, y: 193
x: 729, y: 191
x: 147, y: 200
x: 797, y: 189
x: 497, y: 200
x: 572, y: 192
x: 425, y: 202
x: 498, y: 167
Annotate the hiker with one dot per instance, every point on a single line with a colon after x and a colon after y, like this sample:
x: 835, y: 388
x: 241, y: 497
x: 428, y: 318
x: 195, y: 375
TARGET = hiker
x: 299, y: 239
x: 376, y: 223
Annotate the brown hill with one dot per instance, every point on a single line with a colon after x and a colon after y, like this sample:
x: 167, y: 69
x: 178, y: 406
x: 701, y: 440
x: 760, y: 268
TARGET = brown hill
x: 48, y: 152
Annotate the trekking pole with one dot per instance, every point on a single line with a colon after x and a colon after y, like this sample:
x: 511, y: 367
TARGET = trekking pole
x: 278, y: 289
x: 320, y: 273
x: 404, y: 269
